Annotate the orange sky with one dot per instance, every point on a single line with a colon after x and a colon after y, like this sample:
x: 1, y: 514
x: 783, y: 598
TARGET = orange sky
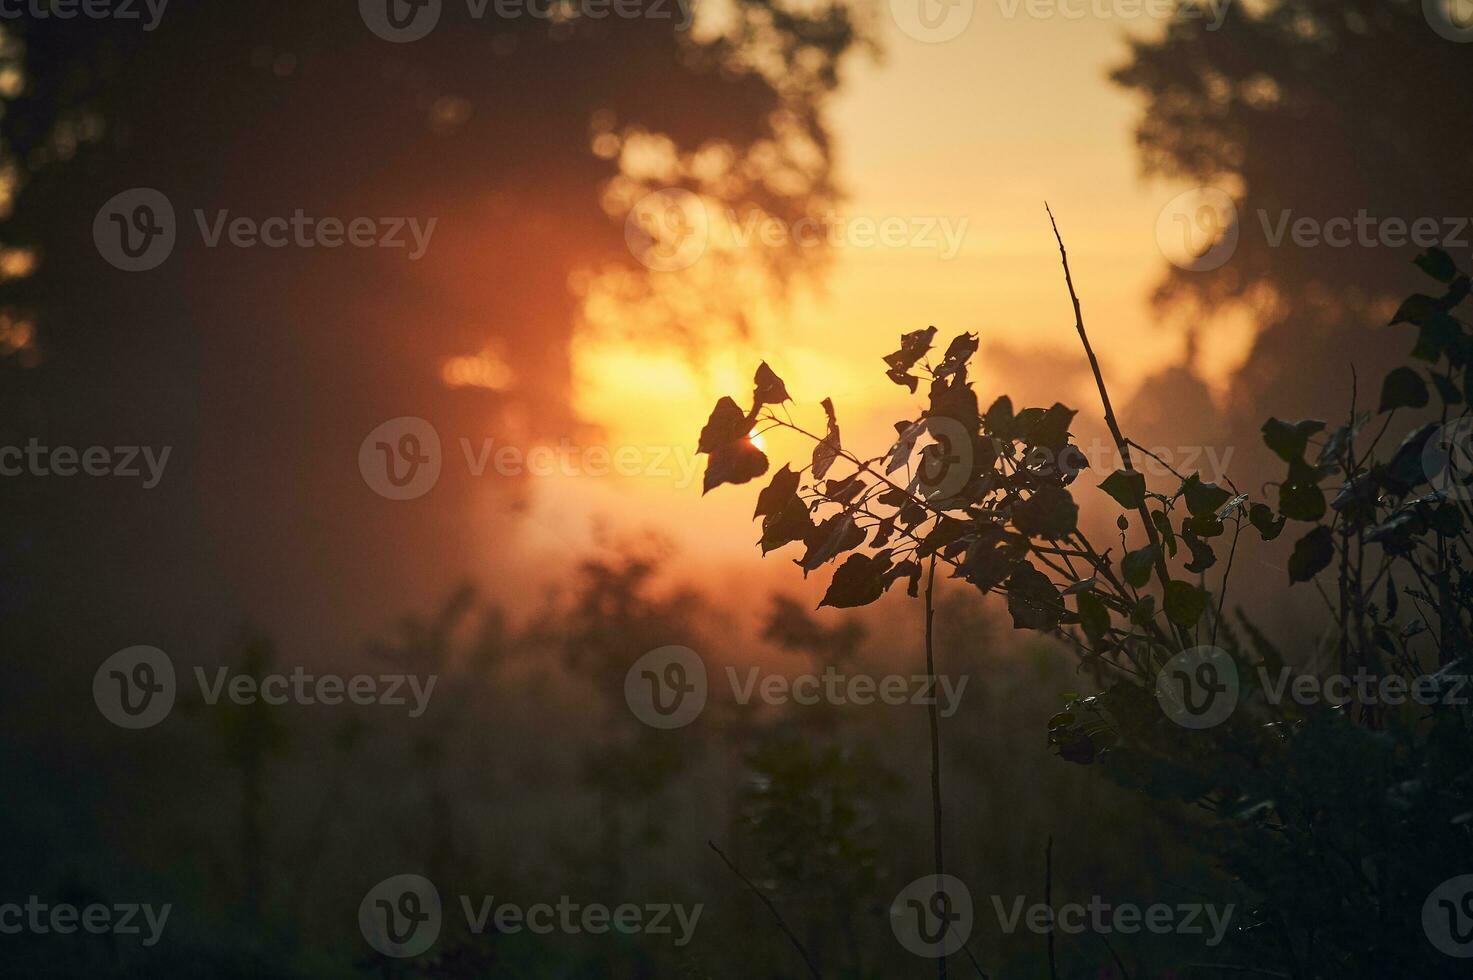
x: 932, y: 131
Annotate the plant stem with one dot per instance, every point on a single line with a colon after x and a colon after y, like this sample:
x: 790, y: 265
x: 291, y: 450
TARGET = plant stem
x: 935, y: 738
x: 1122, y: 444
x: 781, y: 924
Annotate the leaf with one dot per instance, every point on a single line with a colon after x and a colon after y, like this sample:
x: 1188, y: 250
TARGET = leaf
x: 958, y: 353
x: 1052, y: 430
x: 829, y: 539
x: 1144, y: 611
x: 791, y: 523
x: 727, y: 424
x: 1289, y: 439
x: 946, y: 531
x: 1300, y: 498
x: 780, y: 489
x: 1415, y: 309
x: 1163, y: 527
x: 859, y: 581
x: 1403, y: 388
x: 1203, y: 557
x: 769, y: 389
x: 735, y: 462
x: 999, y: 418
x: 1084, y: 585
x: 1437, y: 264
x: 1185, y: 603
x: 1447, y: 390
x: 899, y: 453
x: 1232, y: 507
x: 1312, y: 554
x: 1437, y: 334
x: 1127, y: 487
x: 1203, y: 498
x: 1033, y: 600
x: 1094, y: 618
x: 1136, y: 566
x: 913, y: 347
x: 1262, y: 517
x: 827, y: 450
x: 1049, y: 513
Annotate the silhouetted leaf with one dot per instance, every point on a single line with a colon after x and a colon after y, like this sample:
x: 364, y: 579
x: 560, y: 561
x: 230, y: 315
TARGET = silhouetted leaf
x: 727, y: 424
x: 828, y: 448
x: 1052, y: 430
x: 1136, y: 566
x: 999, y: 419
x: 1203, y: 557
x: 1312, y: 555
x: 1415, y: 309
x: 791, y: 523
x: 946, y: 531
x: 1203, y: 498
x: 1263, y: 518
x: 780, y: 489
x: 1438, y: 264
x: 1184, y: 603
x: 958, y: 352
x: 1127, y: 487
x: 1300, y: 498
x: 1033, y: 600
x: 1163, y: 527
x: 859, y: 581
x: 831, y: 538
x: 1403, y: 388
x: 1094, y: 618
x: 1289, y: 439
x: 1446, y: 389
x: 1144, y: 611
x: 1437, y: 334
x: 769, y: 388
x: 913, y: 347
x: 735, y: 462
x: 1049, y: 513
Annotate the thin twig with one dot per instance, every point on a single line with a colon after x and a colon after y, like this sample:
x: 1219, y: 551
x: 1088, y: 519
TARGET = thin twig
x: 1048, y: 900
x: 808, y: 960
x: 931, y: 711
x: 1121, y: 443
